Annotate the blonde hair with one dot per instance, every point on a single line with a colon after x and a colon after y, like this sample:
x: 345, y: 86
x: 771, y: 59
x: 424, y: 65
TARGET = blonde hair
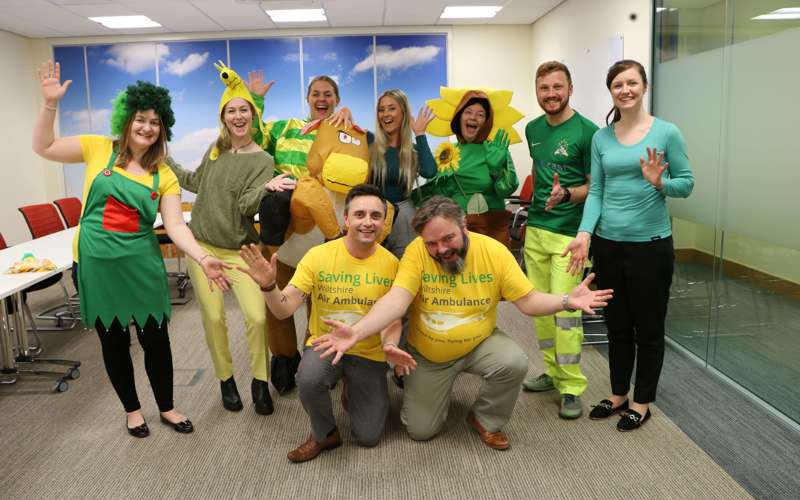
x: 154, y: 155
x: 378, y: 170
x: 224, y: 140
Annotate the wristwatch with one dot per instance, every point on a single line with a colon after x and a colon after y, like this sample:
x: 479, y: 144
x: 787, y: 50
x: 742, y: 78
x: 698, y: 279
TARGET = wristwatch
x: 565, y: 303
x: 567, y: 195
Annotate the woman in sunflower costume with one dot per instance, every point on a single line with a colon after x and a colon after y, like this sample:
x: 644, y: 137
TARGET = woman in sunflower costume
x: 477, y: 172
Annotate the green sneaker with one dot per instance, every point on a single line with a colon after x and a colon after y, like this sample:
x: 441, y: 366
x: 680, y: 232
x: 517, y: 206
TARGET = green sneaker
x: 543, y: 382
x: 570, y: 406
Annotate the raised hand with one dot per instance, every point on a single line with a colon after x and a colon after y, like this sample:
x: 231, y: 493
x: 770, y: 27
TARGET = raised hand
x: 420, y: 123
x: 214, y: 270
x: 581, y: 297
x: 341, y: 118
x: 403, y: 362
x: 579, y: 248
x: 281, y: 183
x: 50, y: 81
x: 262, y: 271
x: 255, y: 83
x: 497, y: 149
x: 340, y: 339
x: 501, y: 139
x: 654, y: 167
x: 557, y: 194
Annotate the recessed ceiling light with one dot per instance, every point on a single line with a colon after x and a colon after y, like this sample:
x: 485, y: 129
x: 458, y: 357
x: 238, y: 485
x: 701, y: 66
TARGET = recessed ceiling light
x: 122, y: 22
x: 297, y: 15
x: 470, y: 11
x: 779, y: 15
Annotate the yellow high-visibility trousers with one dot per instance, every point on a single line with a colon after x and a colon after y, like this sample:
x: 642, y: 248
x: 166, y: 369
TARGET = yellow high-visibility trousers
x: 560, y: 336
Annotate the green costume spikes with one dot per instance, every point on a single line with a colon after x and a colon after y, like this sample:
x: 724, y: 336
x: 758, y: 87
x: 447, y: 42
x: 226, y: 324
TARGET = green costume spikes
x: 141, y: 97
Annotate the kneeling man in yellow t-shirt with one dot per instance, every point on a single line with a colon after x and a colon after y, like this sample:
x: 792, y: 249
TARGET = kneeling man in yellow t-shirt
x: 344, y: 278
x: 453, y: 279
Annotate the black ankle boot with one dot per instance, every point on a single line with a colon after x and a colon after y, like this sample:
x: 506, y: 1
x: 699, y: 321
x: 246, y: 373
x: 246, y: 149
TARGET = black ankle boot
x: 261, y: 397
x: 230, y: 396
x: 283, y: 370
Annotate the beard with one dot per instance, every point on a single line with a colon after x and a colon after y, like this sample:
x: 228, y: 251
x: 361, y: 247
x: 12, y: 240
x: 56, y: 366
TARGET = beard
x: 455, y: 266
x: 562, y: 106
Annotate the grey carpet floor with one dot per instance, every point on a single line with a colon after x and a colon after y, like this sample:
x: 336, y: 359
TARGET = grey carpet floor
x: 74, y: 445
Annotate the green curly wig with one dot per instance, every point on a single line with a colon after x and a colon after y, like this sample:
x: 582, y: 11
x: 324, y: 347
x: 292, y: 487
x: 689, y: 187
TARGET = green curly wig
x: 141, y: 97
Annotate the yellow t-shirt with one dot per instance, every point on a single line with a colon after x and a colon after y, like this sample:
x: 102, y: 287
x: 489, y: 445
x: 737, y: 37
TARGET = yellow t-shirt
x: 344, y: 288
x: 453, y: 313
x: 96, y: 150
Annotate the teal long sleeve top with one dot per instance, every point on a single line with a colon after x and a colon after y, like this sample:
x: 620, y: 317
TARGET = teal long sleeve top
x: 621, y: 204
x: 392, y: 188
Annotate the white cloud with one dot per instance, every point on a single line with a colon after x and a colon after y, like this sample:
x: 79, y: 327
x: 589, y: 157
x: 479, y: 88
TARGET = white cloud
x: 294, y: 57
x: 81, y: 122
x: 194, y: 143
x: 190, y: 63
x: 177, y: 95
x: 134, y: 58
x: 388, y: 60
x: 330, y: 56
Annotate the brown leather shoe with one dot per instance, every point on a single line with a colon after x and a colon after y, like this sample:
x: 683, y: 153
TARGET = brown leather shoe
x: 311, y: 448
x: 497, y: 440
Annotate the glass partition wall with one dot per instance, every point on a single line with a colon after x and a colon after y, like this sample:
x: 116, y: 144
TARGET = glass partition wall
x: 727, y: 72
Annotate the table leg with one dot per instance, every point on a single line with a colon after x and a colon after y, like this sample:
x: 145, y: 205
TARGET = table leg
x: 7, y: 364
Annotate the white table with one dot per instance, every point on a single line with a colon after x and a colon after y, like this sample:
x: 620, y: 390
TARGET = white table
x: 58, y: 248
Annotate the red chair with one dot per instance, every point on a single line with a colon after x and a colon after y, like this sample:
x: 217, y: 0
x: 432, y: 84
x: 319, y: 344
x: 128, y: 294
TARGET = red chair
x: 43, y: 219
x: 70, y: 209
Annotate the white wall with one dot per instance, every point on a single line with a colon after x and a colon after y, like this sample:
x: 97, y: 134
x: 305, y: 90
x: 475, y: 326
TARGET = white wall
x: 577, y: 25
x: 24, y: 177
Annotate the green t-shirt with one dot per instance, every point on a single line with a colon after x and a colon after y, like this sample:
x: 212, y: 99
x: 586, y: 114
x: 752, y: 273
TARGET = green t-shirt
x: 564, y: 149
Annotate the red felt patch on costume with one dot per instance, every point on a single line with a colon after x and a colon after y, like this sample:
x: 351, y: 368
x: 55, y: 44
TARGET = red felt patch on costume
x: 119, y: 217
x: 153, y: 195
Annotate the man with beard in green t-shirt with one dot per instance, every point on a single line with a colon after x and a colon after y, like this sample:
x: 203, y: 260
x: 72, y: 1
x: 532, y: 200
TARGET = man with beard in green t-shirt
x: 560, y: 145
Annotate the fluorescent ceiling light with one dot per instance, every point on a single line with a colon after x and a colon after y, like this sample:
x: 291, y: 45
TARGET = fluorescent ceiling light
x: 660, y: 9
x: 779, y: 15
x: 470, y: 11
x: 123, y: 22
x: 297, y: 15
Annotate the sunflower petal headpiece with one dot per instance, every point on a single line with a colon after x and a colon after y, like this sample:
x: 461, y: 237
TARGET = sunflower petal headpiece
x: 444, y: 109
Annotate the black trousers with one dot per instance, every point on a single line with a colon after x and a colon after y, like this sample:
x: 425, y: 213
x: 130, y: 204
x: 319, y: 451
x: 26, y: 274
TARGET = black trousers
x: 640, y: 274
x: 116, y: 341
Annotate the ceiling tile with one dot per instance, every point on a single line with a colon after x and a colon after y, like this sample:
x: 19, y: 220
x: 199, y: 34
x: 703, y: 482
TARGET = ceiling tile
x: 235, y: 15
x: 355, y: 12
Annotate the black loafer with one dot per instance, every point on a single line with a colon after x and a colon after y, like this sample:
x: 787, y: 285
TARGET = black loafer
x: 230, y: 395
x: 140, y: 431
x: 261, y: 397
x: 632, y: 420
x: 184, y: 427
x: 282, y: 372
x: 605, y: 409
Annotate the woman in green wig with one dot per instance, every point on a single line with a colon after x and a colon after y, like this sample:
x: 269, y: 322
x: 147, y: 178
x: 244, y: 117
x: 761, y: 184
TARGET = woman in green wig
x: 121, y: 274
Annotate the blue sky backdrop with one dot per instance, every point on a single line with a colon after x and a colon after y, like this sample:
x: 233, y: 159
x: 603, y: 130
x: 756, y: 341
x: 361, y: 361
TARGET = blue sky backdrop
x: 279, y: 58
x: 415, y: 63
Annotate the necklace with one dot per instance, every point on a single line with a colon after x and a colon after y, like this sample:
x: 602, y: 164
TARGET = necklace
x: 237, y: 150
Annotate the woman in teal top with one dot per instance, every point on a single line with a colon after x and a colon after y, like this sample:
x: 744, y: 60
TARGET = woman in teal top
x: 395, y: 161
x: 637, y: 162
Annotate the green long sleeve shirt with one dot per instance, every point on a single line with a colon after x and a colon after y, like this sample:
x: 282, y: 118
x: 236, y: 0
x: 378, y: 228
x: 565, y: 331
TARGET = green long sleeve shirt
x: 622, y: 205
x: 229, y: 192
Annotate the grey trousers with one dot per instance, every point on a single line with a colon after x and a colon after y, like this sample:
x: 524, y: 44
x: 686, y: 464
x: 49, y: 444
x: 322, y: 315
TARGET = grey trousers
x: 498, y: 360
x: 402, y: 233
x: 367, y: 393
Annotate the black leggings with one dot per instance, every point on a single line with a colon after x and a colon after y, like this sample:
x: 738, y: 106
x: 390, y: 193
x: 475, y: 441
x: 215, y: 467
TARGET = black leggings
x: 154, y: 340
x: 640, y: 274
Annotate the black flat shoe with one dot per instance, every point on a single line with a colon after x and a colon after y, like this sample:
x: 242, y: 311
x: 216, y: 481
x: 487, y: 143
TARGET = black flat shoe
x: 605, y: 409
x: 230, y: 395
x: 261, y: 397
x: 282, y: 372
x: 140, y: 431
x: 632, y: 420
x: 184, y: 427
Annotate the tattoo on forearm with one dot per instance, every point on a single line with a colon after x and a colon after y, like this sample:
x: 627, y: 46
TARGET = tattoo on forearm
x: 283, y: 298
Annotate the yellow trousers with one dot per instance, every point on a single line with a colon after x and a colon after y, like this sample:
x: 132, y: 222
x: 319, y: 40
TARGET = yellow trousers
x: 212, y: 306
x: 560, y: 336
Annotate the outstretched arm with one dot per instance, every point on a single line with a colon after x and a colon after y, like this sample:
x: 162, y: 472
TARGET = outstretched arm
x: 45, y: 144
x: 282, y: 303
x: 581, y: 297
